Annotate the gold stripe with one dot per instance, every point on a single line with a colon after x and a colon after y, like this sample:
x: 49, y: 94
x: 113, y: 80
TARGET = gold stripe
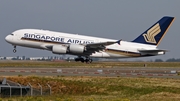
x: 165, y: 31
x: 126, y: 53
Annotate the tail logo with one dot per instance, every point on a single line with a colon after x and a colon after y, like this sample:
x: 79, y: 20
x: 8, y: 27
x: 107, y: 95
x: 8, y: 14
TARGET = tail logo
x: 151, y: 33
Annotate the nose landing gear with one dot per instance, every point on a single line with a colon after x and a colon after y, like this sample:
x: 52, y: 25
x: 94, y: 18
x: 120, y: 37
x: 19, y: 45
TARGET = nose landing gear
x: 14, y: 50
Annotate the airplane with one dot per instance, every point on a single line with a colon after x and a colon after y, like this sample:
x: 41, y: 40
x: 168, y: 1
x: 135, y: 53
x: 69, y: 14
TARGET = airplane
x: 87, y: 47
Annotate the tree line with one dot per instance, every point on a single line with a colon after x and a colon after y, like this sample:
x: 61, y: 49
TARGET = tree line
x: 168, y: 60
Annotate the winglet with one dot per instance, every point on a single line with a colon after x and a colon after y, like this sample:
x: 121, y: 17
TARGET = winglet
x: 119, y: 42
x: 156, y: 32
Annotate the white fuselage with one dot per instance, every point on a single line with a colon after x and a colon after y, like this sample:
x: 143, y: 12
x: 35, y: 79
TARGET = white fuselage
x: 41, y: 39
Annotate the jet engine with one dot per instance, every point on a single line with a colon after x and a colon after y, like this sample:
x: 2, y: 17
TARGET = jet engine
x: 74, y: 48
x: 71, y: 48
x: 59, y: 49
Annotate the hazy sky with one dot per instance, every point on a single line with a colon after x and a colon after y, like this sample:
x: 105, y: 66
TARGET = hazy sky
x: 115, y: 19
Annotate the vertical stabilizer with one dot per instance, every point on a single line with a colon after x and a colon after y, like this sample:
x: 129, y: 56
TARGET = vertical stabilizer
x: 156, y: 32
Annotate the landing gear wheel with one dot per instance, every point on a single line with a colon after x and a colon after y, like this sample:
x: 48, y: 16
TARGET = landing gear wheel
x: 77, y: 59
x: 90, y: 60
x: 14, y: 50
x: 86, y: 59
x: 82, y: 60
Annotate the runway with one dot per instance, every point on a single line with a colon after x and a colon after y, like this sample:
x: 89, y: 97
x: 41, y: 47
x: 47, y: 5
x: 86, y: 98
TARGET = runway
x: 106, y: 72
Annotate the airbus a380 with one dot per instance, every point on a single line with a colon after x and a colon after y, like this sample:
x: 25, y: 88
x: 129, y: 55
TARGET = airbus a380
x: 86, y: 47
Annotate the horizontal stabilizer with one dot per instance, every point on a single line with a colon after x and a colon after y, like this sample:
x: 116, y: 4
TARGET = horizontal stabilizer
x: 152, y: 52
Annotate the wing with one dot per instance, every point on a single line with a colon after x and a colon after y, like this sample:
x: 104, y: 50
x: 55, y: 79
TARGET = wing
x: 99, y: 45
x: 89, y: 48
x: 96, y: 47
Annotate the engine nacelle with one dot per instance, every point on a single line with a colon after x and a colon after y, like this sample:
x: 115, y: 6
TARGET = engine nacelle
x: 74, y: 48
x: 59, y: 49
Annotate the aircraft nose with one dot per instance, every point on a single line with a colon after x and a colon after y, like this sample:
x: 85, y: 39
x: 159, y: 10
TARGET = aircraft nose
x: 8, y: 38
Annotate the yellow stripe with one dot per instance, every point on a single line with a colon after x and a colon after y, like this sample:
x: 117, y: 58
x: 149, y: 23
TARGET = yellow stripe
x: 165, y: 31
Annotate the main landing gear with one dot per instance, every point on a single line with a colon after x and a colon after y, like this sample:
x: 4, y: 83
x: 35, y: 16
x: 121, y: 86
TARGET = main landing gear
x: 14, y: 50
x: 87, y: 59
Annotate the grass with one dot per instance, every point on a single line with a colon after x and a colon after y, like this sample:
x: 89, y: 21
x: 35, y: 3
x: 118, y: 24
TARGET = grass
x: 104, y: 89
x: 80, y: 88
x: 84, y: 65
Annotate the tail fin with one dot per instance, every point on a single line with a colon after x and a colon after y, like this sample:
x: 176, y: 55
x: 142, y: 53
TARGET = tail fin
x: 156, y: 32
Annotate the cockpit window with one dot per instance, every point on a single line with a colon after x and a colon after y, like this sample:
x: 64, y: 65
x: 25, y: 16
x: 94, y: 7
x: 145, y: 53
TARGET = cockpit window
x: 12, y: 34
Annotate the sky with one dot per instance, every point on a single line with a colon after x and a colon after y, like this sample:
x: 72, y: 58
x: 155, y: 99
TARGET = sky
x: 114, y: 19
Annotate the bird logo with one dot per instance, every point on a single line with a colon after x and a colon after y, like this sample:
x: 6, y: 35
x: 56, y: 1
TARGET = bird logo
x: 151, y: 33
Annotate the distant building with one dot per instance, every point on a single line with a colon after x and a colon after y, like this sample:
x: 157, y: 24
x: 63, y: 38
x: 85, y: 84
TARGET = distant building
x: 23, y: 58
x: 35, y: 58
x: 1, y: 58
x: 8, y: 58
